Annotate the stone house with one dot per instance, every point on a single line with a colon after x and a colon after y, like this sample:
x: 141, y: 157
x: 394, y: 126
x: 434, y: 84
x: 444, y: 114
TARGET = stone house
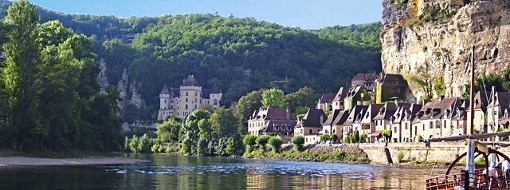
x: 179, y: 102
x: 480, y: 110
x: 338, y: 101
x: 435, y: 117
x: 367, y: 125
x: 407, y: 114
x: 334, y: 123
x: 352, y: 97
x: 325, y: 101
x: 383, y: 118
x: 367, y: 80
x: 497, y: 111
x: 310, y: 125
x: 271, y: 121
x: 396, y: 123
x: 354, y: 119
x: 390, y: 86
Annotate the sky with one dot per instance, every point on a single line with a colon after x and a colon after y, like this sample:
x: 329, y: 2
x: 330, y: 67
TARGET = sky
x: 306, y: 14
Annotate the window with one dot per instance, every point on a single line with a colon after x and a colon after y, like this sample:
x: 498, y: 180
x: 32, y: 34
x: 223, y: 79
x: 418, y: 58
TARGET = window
x: 186, y: 106
x: 310, y: 131
x: 186, y: 93
x: 215, y: 102
x: 196, y: 93
x: 165, y: 100
x: 186, y: 99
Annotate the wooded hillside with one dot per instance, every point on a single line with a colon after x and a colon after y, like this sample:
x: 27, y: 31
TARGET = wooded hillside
x: 237, y: 54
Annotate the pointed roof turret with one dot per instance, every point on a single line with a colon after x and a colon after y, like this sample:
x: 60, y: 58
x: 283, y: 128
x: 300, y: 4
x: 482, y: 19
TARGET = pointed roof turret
x: 215, y: 90
x: 164, y: 90
x: 190, y: 81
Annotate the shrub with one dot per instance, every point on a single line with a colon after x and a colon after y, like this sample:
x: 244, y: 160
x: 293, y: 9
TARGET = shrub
x: 325, y: 137
x: 250, y: 140
x: 275, y: 143
x: 262, y: 141
x: 298, y: 142
x: 333, y: 137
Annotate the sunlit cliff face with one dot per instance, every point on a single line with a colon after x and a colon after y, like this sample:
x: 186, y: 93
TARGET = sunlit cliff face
x: 436, y: 37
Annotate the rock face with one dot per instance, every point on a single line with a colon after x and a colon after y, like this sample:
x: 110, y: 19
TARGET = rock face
x: 436, y: 37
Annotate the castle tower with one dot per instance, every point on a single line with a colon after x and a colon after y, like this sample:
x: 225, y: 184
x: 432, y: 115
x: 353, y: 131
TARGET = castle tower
x: 190, y: 97
x: 164, y: 104
x: 215, y: 97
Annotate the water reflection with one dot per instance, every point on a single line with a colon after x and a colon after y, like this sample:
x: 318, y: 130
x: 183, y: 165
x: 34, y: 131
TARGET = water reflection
x: 177, y: 172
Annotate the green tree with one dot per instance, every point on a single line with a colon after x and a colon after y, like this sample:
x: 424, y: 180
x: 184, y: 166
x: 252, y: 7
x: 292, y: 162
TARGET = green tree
x: 422, y: 81
x: 19, y: 74
x: 250, y: 140
x: 168, y: 131
x: 224, y: 123
x: 386, y: 135
x: 301, y: 100
x: 273, y: 98
x: 190, y: 130
x: 262, y: 141
x: 245, y: 107
x: 439, y: 85
x: 298, y: 141
x: 276, y: 143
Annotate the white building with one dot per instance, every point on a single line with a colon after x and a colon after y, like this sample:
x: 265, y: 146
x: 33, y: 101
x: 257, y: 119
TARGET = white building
x: 179, y: 102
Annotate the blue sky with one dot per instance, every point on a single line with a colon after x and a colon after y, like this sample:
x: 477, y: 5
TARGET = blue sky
x: 306, y: 14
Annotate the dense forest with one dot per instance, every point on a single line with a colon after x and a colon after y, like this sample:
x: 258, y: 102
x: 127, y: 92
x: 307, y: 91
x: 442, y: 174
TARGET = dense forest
x: 239, y: 55
x: 49, y: 96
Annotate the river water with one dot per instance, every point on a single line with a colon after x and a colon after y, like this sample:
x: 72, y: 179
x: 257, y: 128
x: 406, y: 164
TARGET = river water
x: 179, y: 172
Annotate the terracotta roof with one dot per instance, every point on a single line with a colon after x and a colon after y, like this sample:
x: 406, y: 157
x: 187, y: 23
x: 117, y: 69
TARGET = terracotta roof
x: 190, y: 81
x: 327, y: 98
x: 314, y: 118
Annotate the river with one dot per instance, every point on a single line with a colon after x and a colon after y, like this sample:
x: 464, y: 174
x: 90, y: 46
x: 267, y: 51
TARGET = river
x: 180, y: 172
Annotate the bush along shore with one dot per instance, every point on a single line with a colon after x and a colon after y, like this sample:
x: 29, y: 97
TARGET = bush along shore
x: 315, y: 153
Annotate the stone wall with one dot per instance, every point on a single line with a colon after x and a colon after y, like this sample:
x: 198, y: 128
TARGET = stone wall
x: 442, y: 152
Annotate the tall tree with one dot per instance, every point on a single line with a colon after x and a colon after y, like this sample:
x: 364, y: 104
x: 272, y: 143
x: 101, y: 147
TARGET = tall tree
x: 224, y: 123
x: 273, y: 98
x: 301, y: 100
x: 23, y: 57
x: 245, y: 107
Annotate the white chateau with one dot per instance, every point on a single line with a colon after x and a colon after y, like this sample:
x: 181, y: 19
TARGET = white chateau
x: 179, y: 102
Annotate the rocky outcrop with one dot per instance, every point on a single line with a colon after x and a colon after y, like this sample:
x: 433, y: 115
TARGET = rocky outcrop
x: 436, y: 37
x: 101, y: 77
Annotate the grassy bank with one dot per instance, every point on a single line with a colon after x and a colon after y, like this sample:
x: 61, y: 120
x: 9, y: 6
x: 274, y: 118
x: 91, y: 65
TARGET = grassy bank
x: 308, y: 155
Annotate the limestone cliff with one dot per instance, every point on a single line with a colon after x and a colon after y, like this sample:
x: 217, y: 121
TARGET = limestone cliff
x: 436, y: 36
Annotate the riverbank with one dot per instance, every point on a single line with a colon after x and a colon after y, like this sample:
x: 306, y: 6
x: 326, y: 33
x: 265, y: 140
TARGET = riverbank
x: 31, y: 161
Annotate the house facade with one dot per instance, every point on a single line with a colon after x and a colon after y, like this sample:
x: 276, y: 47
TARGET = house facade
x: 272, y: 121
x: 311, y: 125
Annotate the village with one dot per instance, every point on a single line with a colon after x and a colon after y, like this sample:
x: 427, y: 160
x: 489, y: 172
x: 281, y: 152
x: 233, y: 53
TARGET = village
x: 351, y: 112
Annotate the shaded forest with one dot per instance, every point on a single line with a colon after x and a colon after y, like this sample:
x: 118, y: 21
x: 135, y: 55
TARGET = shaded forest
x: 239, y: 55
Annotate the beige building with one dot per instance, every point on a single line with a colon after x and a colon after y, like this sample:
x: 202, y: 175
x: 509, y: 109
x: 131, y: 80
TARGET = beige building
x: 272, y: 121
x: 311, y: 125
x: 179, y: 102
